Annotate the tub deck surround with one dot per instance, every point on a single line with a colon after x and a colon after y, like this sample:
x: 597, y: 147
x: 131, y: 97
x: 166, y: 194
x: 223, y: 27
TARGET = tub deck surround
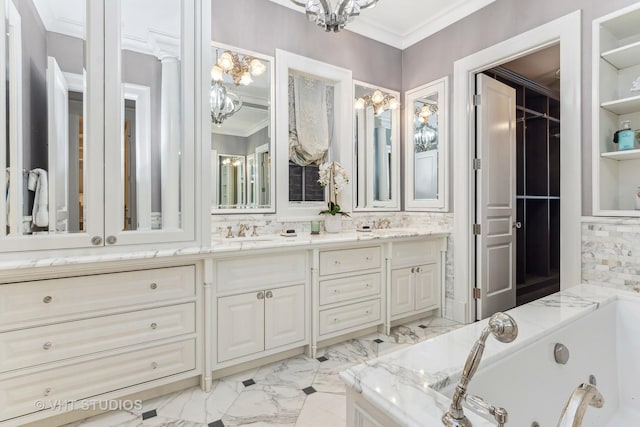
x: 404, y: 385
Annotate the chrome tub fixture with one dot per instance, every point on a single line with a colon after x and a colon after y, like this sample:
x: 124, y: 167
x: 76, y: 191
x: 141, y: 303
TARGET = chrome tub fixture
x: 504, y: 329
x: 333, y: 15
x: 584, y: 396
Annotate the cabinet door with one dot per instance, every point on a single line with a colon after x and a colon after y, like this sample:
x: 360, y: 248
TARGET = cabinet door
x: 240, y: 325
x: 149, y: 121
x: 402, y: 294
x: 427, y: 289
x: 284, y: 321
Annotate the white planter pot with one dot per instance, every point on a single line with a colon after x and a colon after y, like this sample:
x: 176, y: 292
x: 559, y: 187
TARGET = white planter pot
x: 333, y: 223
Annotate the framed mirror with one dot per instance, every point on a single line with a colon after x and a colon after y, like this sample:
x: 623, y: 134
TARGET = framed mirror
x: 427, y: 147
x: 376, y: 134
x: 314, y: 127
x: 242, y: 131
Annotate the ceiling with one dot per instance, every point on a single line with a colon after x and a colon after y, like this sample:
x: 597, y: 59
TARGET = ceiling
x: 540, y: 67
x: 401, y: 23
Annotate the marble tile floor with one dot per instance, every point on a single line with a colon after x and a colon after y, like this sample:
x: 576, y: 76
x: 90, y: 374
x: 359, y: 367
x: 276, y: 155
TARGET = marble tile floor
x: 296, y: 392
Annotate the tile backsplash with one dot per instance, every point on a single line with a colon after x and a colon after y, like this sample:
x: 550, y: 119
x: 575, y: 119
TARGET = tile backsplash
x: 611, y: 252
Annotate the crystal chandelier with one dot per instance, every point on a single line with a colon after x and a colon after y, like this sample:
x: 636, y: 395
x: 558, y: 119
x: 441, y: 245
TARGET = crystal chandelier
x: 240, y: 68
x: 223, y: 104
x: 380, y: 102
x: 333, y: 17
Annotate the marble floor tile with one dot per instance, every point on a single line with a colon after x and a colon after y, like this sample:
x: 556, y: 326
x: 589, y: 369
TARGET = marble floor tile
x: 276, y: 396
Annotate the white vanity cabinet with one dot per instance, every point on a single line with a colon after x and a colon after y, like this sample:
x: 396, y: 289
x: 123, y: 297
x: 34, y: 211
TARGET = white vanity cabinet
x: 260, y: 305
x: 347, y: 295
x: 81, y: 337
x: 415, y: 279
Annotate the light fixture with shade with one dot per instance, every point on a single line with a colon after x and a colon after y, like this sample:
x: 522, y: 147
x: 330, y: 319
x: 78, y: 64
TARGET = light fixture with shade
x: 333, y: 15
x: 224, y: 104
x: 241, y: 68
x: 423, y: 114
x: 380, y: 102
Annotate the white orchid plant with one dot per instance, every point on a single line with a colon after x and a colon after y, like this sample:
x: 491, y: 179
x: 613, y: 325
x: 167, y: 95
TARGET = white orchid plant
x: 335, y: 177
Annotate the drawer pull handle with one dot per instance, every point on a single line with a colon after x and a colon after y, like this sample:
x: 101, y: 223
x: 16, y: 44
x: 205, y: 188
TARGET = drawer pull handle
x: 368, y: 258
x: 366, y: 312
x: 336, y: 291
x: 336, y: 262
x: 269, y: 294
x: 154, y: 365
x: 260, y: 295
x: 418, y: 270
x: 47, y: 391
x: 335, y: 320
x: 367, y: 285
x: 413, y: 269
x: 47, y: 345
x: 154, y: 325
x: 47, y: 299
x: 153, y: 286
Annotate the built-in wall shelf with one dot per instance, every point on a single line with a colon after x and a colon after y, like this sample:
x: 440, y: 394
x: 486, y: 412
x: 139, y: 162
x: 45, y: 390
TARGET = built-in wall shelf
x: 623, y: 57
x: 615, y: 65
x: 623, y: 106
x: 622, y: 155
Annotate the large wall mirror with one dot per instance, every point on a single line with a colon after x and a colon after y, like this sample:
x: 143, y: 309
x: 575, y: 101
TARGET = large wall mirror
x: 314, y: 124
x: 242, y: 117
x: 376, y: 132
x: 426, y: 147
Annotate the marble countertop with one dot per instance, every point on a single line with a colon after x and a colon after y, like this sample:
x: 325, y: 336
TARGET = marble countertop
x: 218, y: 245
x: 405, y: 384
x: 306, y: 239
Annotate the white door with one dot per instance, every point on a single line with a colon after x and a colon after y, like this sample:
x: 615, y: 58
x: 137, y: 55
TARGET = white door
x: 58, y: 122
x: 427, y: 286
x: 284, y: 316
x: 495, y: 196
x: 240, y: 325
x: 402, y: 293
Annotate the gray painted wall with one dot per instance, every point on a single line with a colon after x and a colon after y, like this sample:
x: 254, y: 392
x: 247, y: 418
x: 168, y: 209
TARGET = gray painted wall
x: 434, y: 56
x: 238, y: 145
x: 263, y: 26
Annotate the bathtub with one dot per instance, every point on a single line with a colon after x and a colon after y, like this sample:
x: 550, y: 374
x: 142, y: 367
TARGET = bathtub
x: 533, y: 388
x: 600, y: 327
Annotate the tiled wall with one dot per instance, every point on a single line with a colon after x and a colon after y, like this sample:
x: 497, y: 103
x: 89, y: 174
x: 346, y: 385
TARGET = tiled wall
x: 611, y: 252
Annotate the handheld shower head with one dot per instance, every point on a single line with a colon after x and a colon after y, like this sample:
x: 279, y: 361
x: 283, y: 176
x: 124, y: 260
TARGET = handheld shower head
x: 503, y: 327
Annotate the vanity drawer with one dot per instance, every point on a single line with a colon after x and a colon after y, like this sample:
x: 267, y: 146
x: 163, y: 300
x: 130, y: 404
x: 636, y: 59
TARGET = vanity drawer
x: 408, y: 254
x: 47, y: 299
x: 348, y: 260
x: 341, y: 318
x: 257, y: 272
x: 18, y: 395
x: 34, y: 346
x: 348, y: 288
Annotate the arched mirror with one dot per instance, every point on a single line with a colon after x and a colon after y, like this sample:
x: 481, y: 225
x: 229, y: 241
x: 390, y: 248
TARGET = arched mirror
x: 426, y: 147
x: 241, y: 130
x: 376, y: 133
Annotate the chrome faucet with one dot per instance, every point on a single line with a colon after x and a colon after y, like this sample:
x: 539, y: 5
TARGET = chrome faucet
x: 242, y: 230
x: 229, y: 232
x: 584, y: 396
x: 504, y: 329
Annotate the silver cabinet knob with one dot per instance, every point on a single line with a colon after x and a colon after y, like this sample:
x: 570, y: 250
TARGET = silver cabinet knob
x: 269, y: 294
x: 154, y: 365
x: 153, y: 286
x: 111, y: 240
x: 418, y: 270
x: 154, y: 325
x: 47, y: 345
x: 260, y: 295
x: 368, y: 258
x: 413, y: 269
x: 47, y: 299
x: 47, y: 391
x: 96, y: 240
x: 367, y: 285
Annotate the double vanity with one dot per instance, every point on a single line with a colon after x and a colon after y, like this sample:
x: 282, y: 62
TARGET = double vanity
x: 144, y: 323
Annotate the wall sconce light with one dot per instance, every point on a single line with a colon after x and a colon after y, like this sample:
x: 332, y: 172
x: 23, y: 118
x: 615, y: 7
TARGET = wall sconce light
x: 380, y: 102
x: 240, y: 68
x: 423, y: 114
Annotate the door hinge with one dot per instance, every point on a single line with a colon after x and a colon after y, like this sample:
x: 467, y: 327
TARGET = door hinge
x: 477, y: 293
x: 477, y: 99
x: 477, y: 164
x: 477, y: 229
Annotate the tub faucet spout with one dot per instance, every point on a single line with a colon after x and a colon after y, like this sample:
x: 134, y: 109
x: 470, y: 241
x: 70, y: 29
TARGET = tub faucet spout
x: 504, y: 329
x: 584, y: 396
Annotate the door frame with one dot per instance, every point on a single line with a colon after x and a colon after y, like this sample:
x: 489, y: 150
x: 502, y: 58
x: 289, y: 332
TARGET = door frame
x: 567, y: 31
